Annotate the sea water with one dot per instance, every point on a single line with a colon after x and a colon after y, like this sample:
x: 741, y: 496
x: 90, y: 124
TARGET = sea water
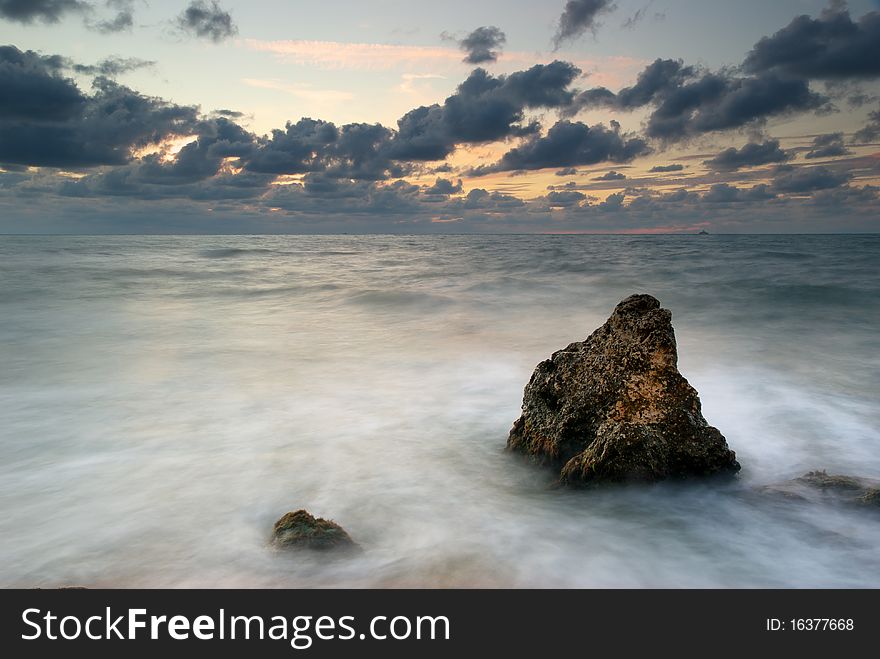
x: 163, y: 400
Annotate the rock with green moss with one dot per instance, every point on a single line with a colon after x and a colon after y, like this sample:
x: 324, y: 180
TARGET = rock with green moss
x: 614, y: 407
x: 820, y: 486
x: 301, y: 530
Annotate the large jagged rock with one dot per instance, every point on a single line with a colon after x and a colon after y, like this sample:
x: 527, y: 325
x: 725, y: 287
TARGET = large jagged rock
x: 615, y: 408
x: 301, y: 530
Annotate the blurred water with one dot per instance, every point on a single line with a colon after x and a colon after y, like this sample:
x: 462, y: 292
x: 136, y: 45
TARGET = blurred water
x: 165, y: 399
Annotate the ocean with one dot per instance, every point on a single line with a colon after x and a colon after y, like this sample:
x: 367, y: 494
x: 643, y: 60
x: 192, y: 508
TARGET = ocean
x: 163, y: 400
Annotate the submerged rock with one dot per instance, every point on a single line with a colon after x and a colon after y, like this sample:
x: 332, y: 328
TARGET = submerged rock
x: 615, y: 408
x: 820, y: 486
x: 300, y: 529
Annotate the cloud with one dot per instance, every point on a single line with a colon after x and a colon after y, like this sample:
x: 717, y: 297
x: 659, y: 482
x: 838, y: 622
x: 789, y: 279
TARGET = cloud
x: 666, y: 168
x: 484, y: 108
x: 831, y: 47
x: 578, y: 16
x: 567, y: 171
x: 658, y: 79
x: 33, y: 88
x: 46, y: 120
x: 565, y: 197
x: 208, y: 21
x: 725, y: 193
x: 828, y: 146
x: 113, y: 66
x: 611, y: 176
x: 570, y: 144
x: 52, y: 11
x: 443, y: 187
x: 483, y: 45
x: 47, y: 11
x: 808, y: 179
x: 752, y: 154
x: 689, y: 102
x: 870, y: 132
x: 123, y: 20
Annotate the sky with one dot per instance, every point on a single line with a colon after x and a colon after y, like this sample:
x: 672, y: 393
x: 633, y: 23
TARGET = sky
x: 559, y: 116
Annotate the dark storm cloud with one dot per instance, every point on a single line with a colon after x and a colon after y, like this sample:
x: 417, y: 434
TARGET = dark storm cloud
x: 578, y: 16
x: 47, y: 11
x: 808, y: 179
x: 752, y: 154
x: 45, y: 119
x: 828, y: 146
x: 207, y: 20
x: 666, y: 168
x: 570, y: 144
x: 611, y: 176
x: 111, y: 67
x: 830, y: 47
x: 484, y: 108
x: 483, y: 44
x: 870, y: 132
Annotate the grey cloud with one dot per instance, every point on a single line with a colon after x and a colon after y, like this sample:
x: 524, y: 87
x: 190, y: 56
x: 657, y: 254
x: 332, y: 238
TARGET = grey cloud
x: 33, y: 88
x: 827, y: 146
x: 752, y: 154
x: 675, y: 167
x: 832, y: 46
x: 111, y: 67
x: 570, y: 144
x: 294, y: 150
x: 480, y: 199
x: 870, y: 132
x: 568, y: 171
x: 46, y: 120
x: 565, y: 197
x: 688, y: 101
x: 725, y: 193
x: 483, y: 109
x: 47, y: 11
x: 611, y: 176
x: 207, y: 20
x: 658, y: 79
x: 717, y: 102
x: 123, y: 19
x: 808, y: 179
x: 631, y: 22
x: 483, y: 44
x: 579, y: 16
x: 443, y: 187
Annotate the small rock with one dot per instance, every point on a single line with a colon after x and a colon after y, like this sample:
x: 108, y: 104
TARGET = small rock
x: 300, y: 529
x: 615, y: 408
x: 820, y: 486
